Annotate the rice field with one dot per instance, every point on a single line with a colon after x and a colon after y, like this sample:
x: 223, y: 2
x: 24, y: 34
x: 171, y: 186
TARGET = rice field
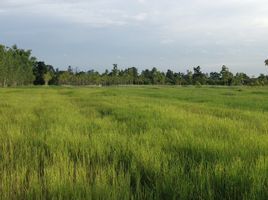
x: 134, y: 143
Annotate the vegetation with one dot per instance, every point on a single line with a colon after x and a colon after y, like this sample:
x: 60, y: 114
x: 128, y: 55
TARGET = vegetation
x: 146, y: 142
x: 134, y: 143
x: 130, y: 76
x: 18, y: 67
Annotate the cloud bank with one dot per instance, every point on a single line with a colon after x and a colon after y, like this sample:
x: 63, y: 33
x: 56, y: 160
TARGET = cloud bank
x: 143, y: 32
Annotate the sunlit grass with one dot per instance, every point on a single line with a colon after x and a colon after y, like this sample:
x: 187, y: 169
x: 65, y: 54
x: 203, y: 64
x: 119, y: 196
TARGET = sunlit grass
x: 134, y: 143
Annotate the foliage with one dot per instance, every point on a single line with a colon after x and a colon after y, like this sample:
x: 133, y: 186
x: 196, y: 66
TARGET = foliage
x: 47, y: 77
x: 199, y: 77
x: 43, y: 73
x: 18, y: 67
x: 130, y: 76
x: 226, y: 76
x: 15, y: 66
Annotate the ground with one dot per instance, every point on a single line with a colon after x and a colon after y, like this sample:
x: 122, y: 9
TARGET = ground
x: 134, y: 143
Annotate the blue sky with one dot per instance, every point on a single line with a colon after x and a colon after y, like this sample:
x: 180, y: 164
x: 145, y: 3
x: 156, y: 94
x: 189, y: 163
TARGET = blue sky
x: 171, y: 34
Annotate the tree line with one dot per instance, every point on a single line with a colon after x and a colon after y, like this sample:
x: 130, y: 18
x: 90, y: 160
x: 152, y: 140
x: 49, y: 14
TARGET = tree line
x: 18, y: 67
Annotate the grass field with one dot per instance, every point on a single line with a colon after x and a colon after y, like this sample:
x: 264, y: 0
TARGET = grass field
x: 134, y: 143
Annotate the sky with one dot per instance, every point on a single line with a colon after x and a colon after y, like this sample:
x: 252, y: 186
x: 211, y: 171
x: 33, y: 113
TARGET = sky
x: 172, y: 34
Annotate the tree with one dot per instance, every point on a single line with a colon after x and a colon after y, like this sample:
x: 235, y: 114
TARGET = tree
x: 145, y: 77
x: 226, y: 76
x: 115, y: 70
x: 198, y: 76
x: 214, y: 78
x: 55, y: 77
x: 133, y: 74
x: 188, y: 78
x: 47, y: 77
x: 157, y: 77
x: 3, y: 68
x: 263, y: 79
x: 15, y: 66
x: 65, y: 78
x: 18, y: 67
x: 70, y: 69
x: 170, y: 77
x: 241, y: 79
x: 39, y: 71
x: 43, y: 73
x: 179, y: 80
x: 114, y: 75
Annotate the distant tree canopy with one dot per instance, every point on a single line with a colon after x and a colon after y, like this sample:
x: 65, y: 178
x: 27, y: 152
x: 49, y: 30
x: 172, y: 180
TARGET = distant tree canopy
x: 18, y: 67
x: 43, y: 73
x: 131, y: 76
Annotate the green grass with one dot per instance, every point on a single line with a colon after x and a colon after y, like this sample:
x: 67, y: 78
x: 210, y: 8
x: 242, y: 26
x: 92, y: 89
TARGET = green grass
x: 134, y: 143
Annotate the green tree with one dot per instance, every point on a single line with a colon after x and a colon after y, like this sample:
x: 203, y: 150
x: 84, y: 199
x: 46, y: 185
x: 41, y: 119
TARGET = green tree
x: 179, y: 78
x: 226, y: 76
x: 188, y: 78
x: 198, y: 76
x: 145, y: 77
x: 47, y: 77
x: 170, y: 77
x: 65, y: 78
x: 15, y: 66
x: 115, y: 71
x: 263, y: 79
x: 214, y: 78
x: 40, y: 69
x: 43, y: 73
x: 157, y: 77
x: 241, y: 79
x: 3, y: 69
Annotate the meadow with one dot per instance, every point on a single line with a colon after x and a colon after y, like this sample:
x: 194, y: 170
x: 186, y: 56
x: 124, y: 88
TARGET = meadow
x: 134, y: 143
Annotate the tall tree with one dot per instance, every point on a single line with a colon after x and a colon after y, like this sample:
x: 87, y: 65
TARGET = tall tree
x: 198, y: 76
x: 3, y: 68
x: 15, y: 66
x: 115, y: 70
x: 241, y: 79
x: 226, y: 76
x: 47, y: 77
x: 39, y: 71
x: 214, y: 78
x: 43, y: 73
x: 188, y: 78
x: 170, y: 77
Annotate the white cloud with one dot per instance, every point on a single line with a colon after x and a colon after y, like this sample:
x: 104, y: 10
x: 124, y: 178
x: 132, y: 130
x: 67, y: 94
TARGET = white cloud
x: 94, y: 12
x: 217, y: 26
x: 261, y: 22
x: 140, y: 16
x: 174, y: 16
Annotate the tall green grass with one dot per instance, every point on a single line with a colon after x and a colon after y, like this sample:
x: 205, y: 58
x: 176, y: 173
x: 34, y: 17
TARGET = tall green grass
x: 134, y: 143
